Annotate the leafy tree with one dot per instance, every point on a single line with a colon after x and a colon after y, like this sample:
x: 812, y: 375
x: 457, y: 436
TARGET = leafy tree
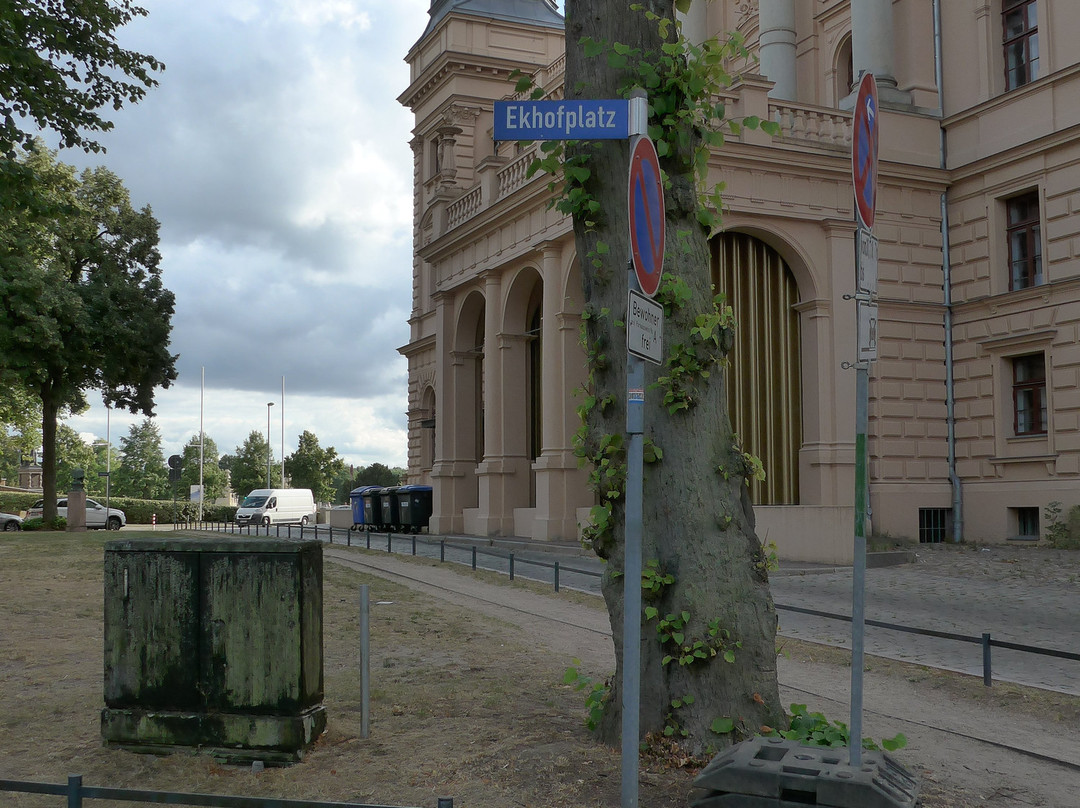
x: 62, y: 64
x: 106, y: 462
x: 72, y: 452
x: 709, y: 624
x: 375, y: 474
x: 82, y: 305
x: 248, y: 466
x: 314, y: 467
x: 214, y: 477
x: 142, y: 473
x: 20, y: 427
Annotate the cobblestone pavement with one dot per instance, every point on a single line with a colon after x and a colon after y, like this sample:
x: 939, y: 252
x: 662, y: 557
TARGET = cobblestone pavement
x: 1019, y: 594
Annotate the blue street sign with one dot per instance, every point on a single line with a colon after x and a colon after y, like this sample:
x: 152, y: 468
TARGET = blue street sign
x: 562, y: 120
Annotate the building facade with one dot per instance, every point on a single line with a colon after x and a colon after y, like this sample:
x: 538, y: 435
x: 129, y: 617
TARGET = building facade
x: 974, y: 402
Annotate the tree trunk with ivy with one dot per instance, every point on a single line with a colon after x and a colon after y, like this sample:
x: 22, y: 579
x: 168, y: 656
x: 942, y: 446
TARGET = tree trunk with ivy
x: 708, y: 656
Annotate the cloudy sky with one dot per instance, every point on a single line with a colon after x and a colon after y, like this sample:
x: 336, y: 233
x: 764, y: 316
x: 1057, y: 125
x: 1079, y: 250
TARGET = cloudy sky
x: 275, y: 155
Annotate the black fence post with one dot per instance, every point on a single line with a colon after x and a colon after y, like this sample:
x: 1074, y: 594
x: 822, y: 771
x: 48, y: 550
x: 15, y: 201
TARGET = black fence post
x: 988, y: 678
x: 367, y: 533
x: 389, y: 538
x: 442, y: 550
x: 511, y: 566
x: 474, y: 558
x: 74, y: 791
x: 556, y: 576
x: 414, y: 544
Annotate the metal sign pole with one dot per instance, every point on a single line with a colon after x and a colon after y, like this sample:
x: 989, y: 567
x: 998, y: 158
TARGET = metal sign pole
x: 864, y: 169
x: 858, y: 581
x: 635, y: 423
x: 631, y: 678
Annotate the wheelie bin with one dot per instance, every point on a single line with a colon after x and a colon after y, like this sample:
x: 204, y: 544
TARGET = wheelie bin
x: 414, y: 506
x: 356, y: 500
x: 372, y: 507
x: 390, y: 520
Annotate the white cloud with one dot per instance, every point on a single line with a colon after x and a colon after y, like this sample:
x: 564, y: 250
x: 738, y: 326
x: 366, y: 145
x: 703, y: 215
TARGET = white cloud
x: 275, y: 155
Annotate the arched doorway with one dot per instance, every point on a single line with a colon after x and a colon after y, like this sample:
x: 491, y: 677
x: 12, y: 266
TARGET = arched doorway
x: 764, y: 377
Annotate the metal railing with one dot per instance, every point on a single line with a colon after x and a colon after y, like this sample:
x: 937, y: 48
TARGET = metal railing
x: 986, y: 641
x: 76, y: 793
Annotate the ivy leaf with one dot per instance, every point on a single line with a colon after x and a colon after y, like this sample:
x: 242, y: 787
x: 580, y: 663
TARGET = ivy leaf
x: 590, y: 47
x: 722, y: 726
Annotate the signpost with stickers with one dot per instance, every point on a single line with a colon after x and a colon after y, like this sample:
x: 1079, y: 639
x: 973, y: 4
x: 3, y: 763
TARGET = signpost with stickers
x: 864, y: 175
x: 611, y: 120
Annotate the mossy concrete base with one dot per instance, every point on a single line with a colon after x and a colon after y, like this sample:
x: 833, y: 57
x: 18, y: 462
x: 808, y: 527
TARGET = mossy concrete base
x: 231, y: 737
x: 214, y: 644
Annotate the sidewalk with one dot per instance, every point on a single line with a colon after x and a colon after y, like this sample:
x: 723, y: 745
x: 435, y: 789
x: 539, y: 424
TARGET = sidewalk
x: 992, y: 748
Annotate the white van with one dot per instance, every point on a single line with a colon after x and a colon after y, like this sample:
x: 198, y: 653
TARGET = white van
x: 277, y: 506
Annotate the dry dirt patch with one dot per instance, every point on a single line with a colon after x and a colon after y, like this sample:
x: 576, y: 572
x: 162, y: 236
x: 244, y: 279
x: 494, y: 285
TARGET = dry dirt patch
x: 465, y: 704
x: 462, y: 704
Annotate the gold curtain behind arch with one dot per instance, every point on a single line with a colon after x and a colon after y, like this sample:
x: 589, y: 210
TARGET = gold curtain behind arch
x: 763, y: 380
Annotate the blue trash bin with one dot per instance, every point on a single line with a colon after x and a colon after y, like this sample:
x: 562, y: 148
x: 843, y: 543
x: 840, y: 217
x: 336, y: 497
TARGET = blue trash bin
x: 414, y: 507
x: 356, y: 499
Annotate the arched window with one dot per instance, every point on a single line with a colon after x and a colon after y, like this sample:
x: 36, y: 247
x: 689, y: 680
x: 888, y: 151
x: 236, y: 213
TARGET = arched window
x: 844, y: 69
x: 764, y: 377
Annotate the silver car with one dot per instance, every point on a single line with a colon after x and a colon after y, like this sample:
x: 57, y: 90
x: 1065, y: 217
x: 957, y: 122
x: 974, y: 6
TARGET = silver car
x: 9, y: 521
x: 95, y: 514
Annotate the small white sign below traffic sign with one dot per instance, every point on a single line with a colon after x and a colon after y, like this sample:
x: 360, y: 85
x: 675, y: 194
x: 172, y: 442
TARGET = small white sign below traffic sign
x: 868, y: 262
x: 645, y: 328
x: 868, y: 330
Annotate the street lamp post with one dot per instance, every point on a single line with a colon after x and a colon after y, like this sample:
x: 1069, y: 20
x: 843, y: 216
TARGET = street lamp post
x: 269, y: 404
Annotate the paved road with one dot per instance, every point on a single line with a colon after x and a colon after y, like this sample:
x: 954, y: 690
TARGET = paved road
x: 1028, y: 612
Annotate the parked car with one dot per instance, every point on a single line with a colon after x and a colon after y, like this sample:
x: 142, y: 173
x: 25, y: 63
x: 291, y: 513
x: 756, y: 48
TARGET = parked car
x: 95, y: 514
x: 277, y: 506
x: 9, y: 521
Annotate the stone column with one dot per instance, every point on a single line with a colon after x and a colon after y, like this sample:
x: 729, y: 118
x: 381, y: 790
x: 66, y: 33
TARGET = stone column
x: 449, y: 477
x: 872, y: 49
x: 776, y: 39
x: 491, y: 518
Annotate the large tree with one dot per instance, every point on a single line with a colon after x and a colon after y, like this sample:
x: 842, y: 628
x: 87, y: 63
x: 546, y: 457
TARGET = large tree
x: 252, y: 464
x: 62, y: 64
x: 708, y: 655
x: 20, y: 427
x: 142, y: 473
x: 312, y: 466
x: 214, y: 479
x: 375, y: 474
x: 82, y: 305
x: 72, y: 452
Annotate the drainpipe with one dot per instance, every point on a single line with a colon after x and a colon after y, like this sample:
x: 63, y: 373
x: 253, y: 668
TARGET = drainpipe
x: 950, y: 385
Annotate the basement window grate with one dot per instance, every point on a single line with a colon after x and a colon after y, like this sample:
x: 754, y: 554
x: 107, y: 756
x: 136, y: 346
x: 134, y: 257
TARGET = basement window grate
x: 935, y: 525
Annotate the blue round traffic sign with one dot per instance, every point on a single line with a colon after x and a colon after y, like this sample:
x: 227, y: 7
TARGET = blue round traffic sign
x: 646, y: 204
x: 864, y: 150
